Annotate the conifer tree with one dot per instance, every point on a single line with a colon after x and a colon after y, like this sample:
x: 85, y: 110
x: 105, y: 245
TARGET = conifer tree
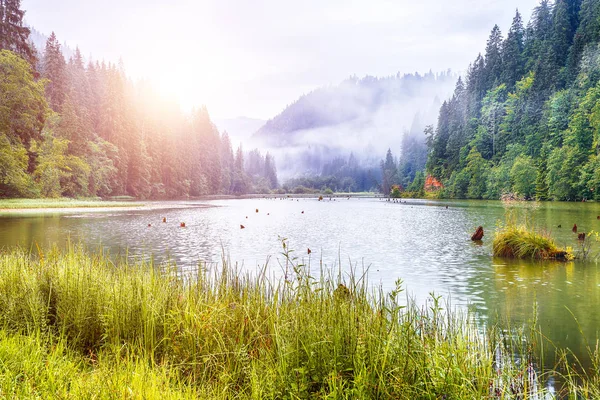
x: 493, y: 58
x: 513, y: 67
x: 13, y: 35
x: 54, y: 70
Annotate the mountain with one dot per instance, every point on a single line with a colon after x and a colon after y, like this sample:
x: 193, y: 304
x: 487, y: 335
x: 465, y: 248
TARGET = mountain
x: 365, y: 116
x: 526, y: 121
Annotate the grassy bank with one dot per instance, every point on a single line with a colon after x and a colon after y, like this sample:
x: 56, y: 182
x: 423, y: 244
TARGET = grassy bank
x: 12, y: 204
x: 77, y: 325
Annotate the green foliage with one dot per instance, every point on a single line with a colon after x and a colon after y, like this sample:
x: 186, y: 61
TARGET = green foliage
x: 523, y: 176
x: 476, y: 171
x: 14, y: 180
x: 23, y: 106
x: 535, y: 117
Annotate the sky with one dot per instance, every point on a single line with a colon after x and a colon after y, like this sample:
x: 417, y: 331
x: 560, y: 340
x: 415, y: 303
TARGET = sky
x: 252, y: 58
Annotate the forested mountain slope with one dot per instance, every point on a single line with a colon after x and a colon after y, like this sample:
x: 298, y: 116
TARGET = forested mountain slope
x: 358, y: 102
x: 71, y: 128
x: 526, y: 120
x: 342, y: 131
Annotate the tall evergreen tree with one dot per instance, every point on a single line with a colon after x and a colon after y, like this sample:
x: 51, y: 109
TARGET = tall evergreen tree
x: 54, y: 70
x: 13, y: 35
x: 562, y: 37
x: 513, y: 67
x: 493, y: 58
x: 588, y: 31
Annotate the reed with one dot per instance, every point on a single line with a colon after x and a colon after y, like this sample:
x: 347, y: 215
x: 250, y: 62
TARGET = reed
x: 75, y: 324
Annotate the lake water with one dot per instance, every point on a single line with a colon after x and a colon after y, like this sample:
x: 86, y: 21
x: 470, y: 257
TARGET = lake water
x: 425, y: 243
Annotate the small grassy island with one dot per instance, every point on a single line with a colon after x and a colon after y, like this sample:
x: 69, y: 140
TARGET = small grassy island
x: 80, y: 325
x: 521, y: 242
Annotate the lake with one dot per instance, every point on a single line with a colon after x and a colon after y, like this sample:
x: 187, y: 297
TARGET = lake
x: 425, y: 243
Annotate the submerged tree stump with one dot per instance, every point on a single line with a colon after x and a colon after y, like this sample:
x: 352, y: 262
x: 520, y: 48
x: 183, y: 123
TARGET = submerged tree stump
x: 478, y: 235
x: 559, y: 255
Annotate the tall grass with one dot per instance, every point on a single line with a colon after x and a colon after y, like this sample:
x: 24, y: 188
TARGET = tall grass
x: 12, y: 204
x: 75, y: 324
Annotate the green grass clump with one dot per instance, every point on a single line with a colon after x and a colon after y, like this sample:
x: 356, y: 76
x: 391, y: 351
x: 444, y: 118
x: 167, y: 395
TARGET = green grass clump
x: 11, y: 204
x: 75, y: 324
x: 520, y: 242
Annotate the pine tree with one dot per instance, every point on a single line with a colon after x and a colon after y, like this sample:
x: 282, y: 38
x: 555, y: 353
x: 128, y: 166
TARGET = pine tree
x: 476, y: 86
x: 588, y: 31
x: 562, y: 36
x: 493, y: 58
x: 13, y: 35
x: 227, y: 164
x: 542, y: 58
x: 240, y: 184
x: 513, y: 67
x: 541, y: 184
x: 270, y: 172
x: 54, y: 69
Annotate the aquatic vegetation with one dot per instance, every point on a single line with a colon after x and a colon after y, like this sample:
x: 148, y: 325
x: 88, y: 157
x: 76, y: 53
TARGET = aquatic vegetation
x: 79, y: 324
x: 520, y: 242
x: 523, y: 240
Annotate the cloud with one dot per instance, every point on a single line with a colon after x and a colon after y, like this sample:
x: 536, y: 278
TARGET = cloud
x: 254, y: 57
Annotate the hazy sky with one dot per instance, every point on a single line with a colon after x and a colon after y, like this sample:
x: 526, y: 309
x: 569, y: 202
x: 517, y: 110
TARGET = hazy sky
x: 252, y: 58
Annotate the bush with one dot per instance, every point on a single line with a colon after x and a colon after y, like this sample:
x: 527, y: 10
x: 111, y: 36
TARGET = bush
x: 304, y: 190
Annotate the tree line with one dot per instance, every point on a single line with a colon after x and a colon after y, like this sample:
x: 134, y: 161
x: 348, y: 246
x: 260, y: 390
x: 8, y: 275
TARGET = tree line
x: 526, y: 118
x: 78, y: 129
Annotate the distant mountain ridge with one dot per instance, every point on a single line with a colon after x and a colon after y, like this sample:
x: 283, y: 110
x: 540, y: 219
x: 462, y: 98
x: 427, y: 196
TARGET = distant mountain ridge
x: 353, y: 101
x: 361, y: 116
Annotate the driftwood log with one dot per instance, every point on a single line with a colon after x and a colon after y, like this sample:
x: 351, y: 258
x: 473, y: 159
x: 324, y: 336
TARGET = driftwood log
x: 478, y: 235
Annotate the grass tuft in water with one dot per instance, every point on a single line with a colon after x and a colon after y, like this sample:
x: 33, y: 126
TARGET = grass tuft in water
x: 520, y: 242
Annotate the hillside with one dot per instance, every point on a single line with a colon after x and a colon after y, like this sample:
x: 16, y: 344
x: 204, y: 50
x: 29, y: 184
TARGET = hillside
x: 526, y: 120
x: 361, y: 116
x: 356, y: 101
x: 76, y: 128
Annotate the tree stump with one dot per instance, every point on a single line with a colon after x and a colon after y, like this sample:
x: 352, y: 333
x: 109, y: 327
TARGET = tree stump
x: 478, y: 235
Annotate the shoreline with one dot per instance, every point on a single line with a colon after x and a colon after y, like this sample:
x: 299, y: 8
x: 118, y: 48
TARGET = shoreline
x: 75, y: 206
x: 96, y: 209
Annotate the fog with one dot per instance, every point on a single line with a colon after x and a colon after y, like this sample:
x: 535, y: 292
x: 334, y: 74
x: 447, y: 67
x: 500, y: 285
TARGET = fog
x: 364, y: 117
